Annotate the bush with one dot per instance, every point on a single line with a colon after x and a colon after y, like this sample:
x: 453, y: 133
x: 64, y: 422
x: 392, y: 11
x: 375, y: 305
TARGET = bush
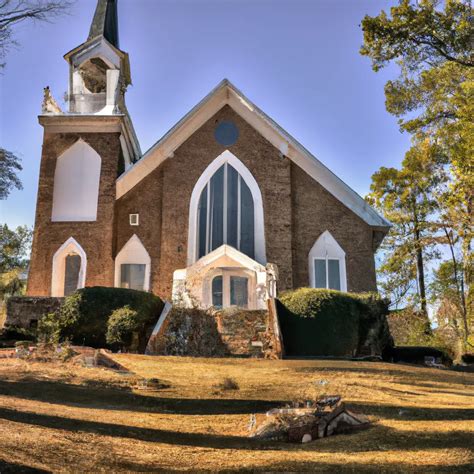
x: 318, y: 322
x: 468, y: 358
x: 417, y: 354
x: 84, y: 315
x: 121, y: 326
x: 409, y: 327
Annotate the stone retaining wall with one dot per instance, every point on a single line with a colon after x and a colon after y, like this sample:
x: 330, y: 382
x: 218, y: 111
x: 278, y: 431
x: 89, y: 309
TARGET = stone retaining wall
x: 25, y: 311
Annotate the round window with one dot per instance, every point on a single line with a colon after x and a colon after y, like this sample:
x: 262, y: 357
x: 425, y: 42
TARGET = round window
x: 226, y: 133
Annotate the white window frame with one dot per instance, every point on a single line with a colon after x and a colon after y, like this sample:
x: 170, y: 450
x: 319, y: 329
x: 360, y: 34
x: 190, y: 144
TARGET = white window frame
x: 59, y: 266
x: 224, y: 210
x: 226, y: 274
x: 134, y: 219
x: 193, y: 232
x: 133, y: 252
x: 326, y: 248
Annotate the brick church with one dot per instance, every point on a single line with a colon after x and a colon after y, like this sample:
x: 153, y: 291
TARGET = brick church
x: 225, y: 209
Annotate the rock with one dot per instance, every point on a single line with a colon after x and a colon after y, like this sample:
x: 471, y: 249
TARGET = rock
x: 306, y: 438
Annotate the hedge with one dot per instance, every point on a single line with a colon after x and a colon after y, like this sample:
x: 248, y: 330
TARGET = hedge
x: 417, y: 354
x: 84, y: 315
x: 318, y: 322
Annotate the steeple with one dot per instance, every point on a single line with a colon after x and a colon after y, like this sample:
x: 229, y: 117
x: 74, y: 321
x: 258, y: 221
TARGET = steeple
x: 99, y: 74
x: 105, y: 22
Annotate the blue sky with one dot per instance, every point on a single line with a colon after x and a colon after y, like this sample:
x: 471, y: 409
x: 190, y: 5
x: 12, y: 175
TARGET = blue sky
x: 298, y: 60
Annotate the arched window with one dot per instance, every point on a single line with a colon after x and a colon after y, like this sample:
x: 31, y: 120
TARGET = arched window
x: 132, y: 266
x: 226, y: 208
x: 327, y: 264
x: 69, y: 269
x: 76, y: 184
x: 226, y: 213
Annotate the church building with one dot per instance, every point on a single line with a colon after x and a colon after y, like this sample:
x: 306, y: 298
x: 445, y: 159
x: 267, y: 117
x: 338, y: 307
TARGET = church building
x: 226, y: 209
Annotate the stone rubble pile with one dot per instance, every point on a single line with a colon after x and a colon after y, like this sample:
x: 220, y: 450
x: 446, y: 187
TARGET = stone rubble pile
x: 302, y: 423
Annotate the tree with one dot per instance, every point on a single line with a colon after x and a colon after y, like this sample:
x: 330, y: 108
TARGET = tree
x: 433, y: 97
x: 13, y: 12
x: 405, y: 197
x: 14, y: 250
x: 9, y: 166
x: 447, y: 293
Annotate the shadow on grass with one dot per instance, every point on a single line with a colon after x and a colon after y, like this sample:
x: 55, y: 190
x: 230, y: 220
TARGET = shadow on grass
x: 12, y: 467
x: 109, y: 399
x: 381, y: 438
x: 401, y: 371
x: 354, y: 467
x: 126, y: 431
x: 412, y: 413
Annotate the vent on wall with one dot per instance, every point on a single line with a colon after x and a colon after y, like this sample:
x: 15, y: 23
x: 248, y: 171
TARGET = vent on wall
x: 133, y: 219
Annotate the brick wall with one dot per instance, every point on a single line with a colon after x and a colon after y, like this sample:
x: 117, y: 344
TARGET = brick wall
x: 316, y: 210
x: 296, y: 211
x: 96, y: 238
x: 173, y: 182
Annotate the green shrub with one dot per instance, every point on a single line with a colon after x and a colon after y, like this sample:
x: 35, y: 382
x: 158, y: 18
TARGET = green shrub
x: 318, y: 322
x: 121, y: 326
x: 84, y: 315
x: 409, y: 327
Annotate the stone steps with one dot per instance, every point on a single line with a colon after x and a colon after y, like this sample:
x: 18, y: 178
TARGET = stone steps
x: 243, y: 331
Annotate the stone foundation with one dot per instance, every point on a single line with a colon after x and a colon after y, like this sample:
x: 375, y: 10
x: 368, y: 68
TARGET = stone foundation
x: 209, y: 333
x: 26, y: 311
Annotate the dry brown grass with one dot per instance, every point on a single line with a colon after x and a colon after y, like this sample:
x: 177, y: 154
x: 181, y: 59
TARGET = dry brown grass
x: 61, y: 417
x: 3, y: 314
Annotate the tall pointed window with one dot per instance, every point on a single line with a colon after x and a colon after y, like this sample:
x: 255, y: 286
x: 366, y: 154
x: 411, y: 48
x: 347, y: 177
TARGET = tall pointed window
x: 226, y: 213
x: 69, y: 269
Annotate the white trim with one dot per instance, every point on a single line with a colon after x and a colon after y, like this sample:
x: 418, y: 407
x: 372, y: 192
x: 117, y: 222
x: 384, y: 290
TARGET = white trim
x: 134, y: 219
x: 59, y: 262
x: 231, y: 159
x: 227, y: 94
x: 327, y: 248
x: 226, y: 274
x: 133, y: 252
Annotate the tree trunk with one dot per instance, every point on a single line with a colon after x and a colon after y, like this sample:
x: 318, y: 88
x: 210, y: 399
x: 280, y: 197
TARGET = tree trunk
x: 420, y: 270
x: 459, y: 278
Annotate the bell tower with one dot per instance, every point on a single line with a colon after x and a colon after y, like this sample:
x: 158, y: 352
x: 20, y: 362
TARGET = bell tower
x: 85, y: 148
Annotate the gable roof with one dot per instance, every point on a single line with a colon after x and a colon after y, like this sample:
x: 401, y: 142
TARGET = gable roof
x: 227, y: 94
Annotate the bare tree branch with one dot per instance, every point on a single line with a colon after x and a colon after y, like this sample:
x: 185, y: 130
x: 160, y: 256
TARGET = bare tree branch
x: 14, y: 12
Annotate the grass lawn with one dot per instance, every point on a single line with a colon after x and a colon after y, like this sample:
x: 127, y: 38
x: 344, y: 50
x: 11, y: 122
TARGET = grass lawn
x: 63, y: 417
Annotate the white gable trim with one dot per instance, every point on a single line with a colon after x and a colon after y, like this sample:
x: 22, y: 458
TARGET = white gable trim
x: 236, y: 255
x: 227, y: 157
x: 226, y: 94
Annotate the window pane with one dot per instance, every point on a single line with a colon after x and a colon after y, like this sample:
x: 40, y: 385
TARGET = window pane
x: 217, y: 292
x: 217, y: 207
x: 71, y: 274
x: 132, y: 275
x: 334, y: 275
x: 239, y: 291
x: 202, y: 216
x: 232, y: 178
x: 247, y: 232
x: 320, y: 273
